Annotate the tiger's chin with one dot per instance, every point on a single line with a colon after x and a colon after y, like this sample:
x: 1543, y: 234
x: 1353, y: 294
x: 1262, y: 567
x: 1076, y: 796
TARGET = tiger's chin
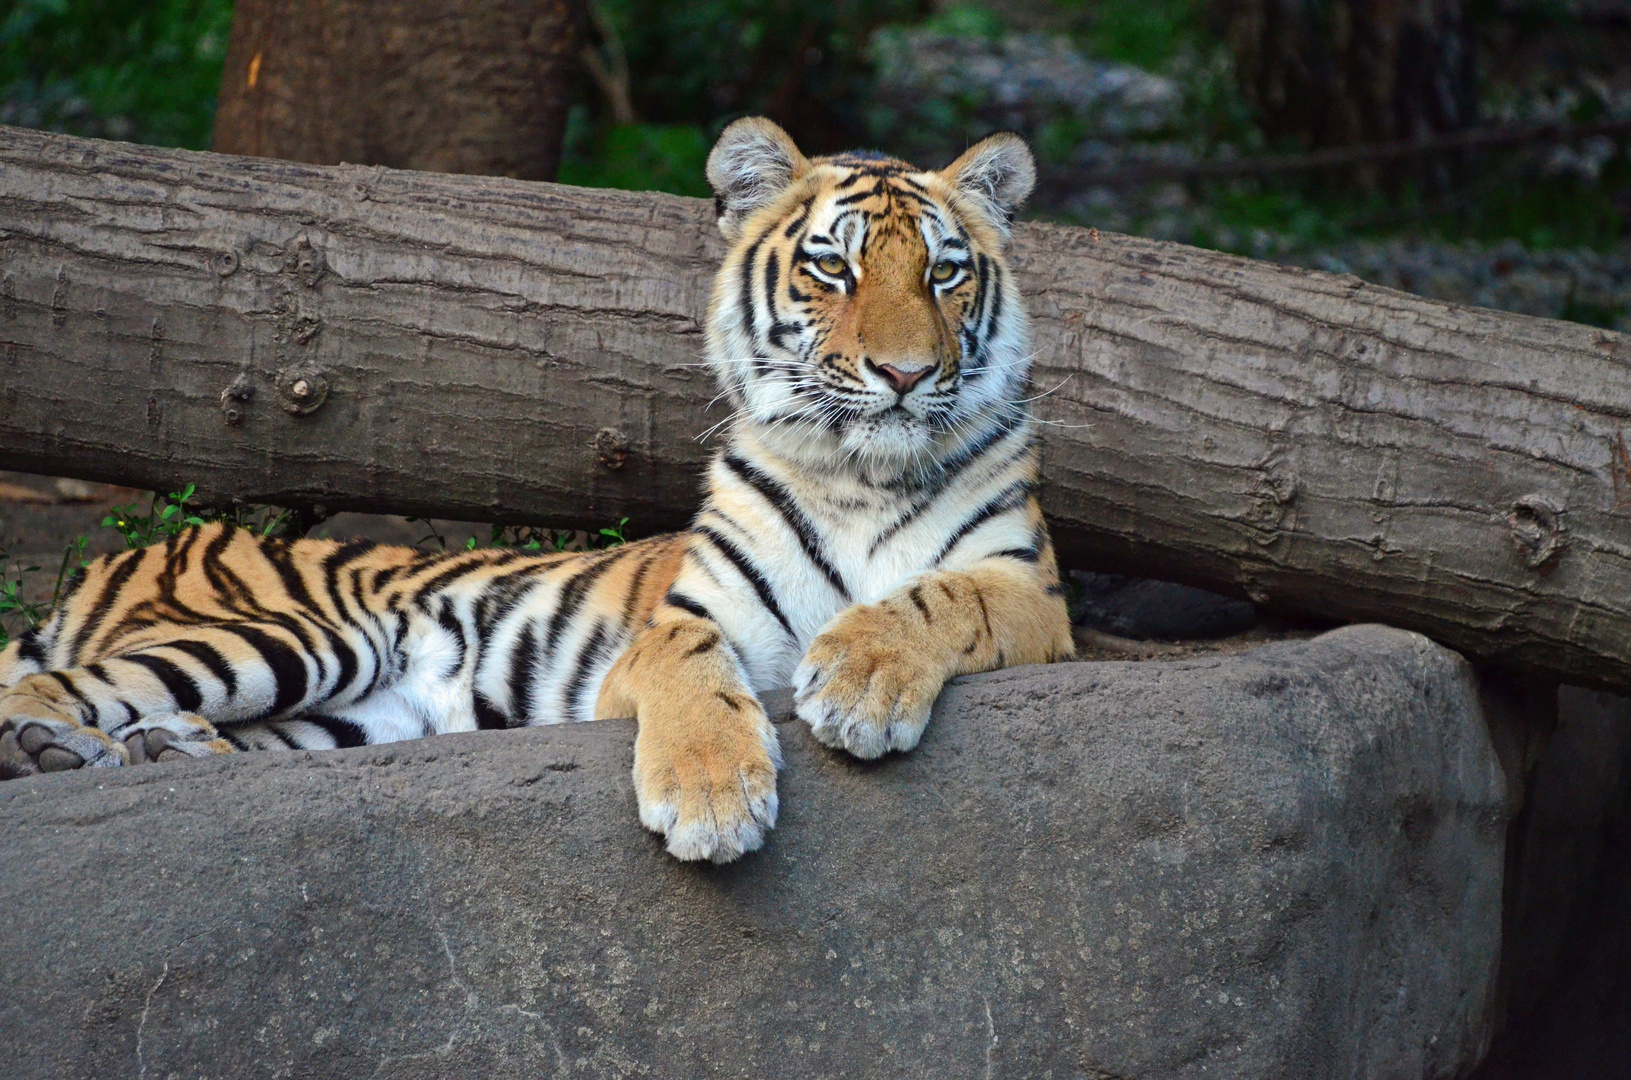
x: 890, y: 443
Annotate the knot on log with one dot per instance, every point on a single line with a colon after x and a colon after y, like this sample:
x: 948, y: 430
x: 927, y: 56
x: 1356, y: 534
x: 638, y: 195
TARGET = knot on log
x: 305, y: 261
x: 235, y: 399
x: 611, y: 447
x: 303, y: 389
x: 1537, y: 529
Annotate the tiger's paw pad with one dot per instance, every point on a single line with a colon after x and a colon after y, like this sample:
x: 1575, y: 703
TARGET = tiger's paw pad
x: 712, y: 802
x: 862, y: 696
x: 30, y: 745
x: 172, y: 738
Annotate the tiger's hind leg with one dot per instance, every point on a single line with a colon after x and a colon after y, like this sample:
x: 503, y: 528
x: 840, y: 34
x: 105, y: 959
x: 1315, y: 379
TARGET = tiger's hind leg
x: 162, y: 700
x: 41, y: 730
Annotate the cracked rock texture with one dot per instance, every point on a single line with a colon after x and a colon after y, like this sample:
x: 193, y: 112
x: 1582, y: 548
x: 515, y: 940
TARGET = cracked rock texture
x: 1285, y: 863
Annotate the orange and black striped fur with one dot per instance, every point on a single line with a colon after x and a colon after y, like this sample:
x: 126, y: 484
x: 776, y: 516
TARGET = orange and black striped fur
x: 869, y: 531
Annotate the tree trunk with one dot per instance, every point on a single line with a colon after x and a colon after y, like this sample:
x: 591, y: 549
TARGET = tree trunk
x: 1339, y: 72
x: 495, y: 350
x: 461, y: 86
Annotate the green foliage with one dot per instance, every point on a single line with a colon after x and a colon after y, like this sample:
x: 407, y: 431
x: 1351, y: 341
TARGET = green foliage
x: 146, y: 70
x: 800, y: 62
x: 175, y: 513
x: 165, y: 517
x: 14, y: 605
x: 636, y: 157
x: 532, y: 538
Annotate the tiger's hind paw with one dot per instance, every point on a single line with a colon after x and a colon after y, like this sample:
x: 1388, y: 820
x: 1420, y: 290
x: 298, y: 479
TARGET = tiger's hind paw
x: 33, y: 744
x: 172, y: 737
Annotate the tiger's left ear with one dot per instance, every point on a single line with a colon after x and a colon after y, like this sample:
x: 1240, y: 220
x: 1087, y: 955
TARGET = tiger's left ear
x: 997, y: 174
x: 752, y: 163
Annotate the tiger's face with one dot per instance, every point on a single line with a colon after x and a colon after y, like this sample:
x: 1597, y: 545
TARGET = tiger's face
x: 865, y: 312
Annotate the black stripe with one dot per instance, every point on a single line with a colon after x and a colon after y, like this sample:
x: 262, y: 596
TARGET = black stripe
x: 748, y: 570
x: 632, y: 598
x: 343, y: 732
x: 685, y: 603
x: 587, y: 656
x: 450, y: 622
x: 995, y: 292
x: 29, y: 647
x: 118, y: 577
x: 183, y: 689
x: 480, y: 561
x: 211, y: 658
x: 1010, y: 497
x: 287, y: 667
x: 575, y: 592
x: 784, y: 505
x: 949, y: 471
x: 1026, y: 554
x: 73, y: 691
x: 916, y: 594
x: 175, y: 562
x: 750, y: 317
x: 488, y: 715
x: 284, y: 737
x: 798, y: 223
x: 523, y: 659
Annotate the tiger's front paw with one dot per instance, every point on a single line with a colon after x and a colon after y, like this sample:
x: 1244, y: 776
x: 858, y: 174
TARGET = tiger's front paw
x: 708, y: 782
x: 863, y: 687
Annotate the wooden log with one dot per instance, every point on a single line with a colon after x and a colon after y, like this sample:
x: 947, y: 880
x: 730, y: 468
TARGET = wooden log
x: 498, y: 350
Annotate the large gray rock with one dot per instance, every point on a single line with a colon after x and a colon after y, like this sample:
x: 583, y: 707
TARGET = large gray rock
x: 1280, y: 864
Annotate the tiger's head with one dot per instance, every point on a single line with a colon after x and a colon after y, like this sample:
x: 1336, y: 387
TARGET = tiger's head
x: 865, y: 312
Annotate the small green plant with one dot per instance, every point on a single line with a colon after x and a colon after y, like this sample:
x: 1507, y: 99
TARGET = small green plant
x: 613, y: 537
x: 33, y: 612
x: 531, y: 538
x: 12, y: 603
x: 166, y: 516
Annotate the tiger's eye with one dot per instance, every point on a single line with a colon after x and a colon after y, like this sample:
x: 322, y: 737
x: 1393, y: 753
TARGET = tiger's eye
x: 944, y: 270
x: 831, y: 264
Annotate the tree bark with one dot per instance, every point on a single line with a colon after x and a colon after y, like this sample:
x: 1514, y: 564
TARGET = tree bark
x: 1339, y: 72
x: 495, y: 350
x: 468, y: 86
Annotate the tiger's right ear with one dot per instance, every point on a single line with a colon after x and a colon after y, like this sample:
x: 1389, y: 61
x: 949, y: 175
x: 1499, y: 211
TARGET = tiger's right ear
x: 752, y: 163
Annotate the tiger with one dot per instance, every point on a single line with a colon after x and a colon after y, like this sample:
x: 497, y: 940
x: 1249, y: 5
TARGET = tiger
x: 870, y: 529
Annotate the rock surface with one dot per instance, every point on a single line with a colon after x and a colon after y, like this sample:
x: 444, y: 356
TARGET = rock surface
x: 1284, y: 863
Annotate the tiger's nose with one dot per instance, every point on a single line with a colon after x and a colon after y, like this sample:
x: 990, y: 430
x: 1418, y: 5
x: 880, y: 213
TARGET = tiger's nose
x: 902, y: 381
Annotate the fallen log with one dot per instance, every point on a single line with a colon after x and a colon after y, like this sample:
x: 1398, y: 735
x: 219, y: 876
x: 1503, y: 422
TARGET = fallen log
x: 497, y: 350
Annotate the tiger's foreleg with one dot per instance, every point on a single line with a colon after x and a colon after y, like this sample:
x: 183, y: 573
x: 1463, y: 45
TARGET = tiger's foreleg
x: 870, y: 677
x: 705, y: 757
